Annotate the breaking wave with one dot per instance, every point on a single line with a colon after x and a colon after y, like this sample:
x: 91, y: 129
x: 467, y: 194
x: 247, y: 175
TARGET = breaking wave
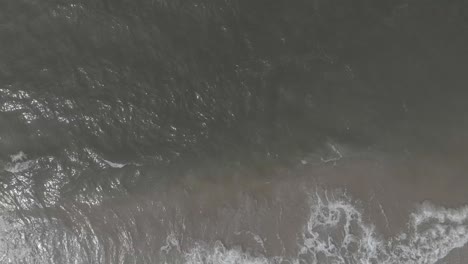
x: 337, y: 233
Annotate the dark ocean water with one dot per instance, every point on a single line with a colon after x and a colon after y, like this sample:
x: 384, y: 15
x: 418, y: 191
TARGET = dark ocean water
x: 232, y: 131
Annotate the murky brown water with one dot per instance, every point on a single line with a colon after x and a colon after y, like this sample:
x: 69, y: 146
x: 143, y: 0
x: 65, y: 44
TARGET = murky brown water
x: 238, y: 131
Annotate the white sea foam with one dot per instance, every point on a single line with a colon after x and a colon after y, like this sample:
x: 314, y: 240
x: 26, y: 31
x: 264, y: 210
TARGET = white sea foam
x: 20, y: 156
x: 19, y: 166
x: 218, y: 253
x: 114, y: 164
x: 18, y: 163
x: 97, y: 159
x: 336, y: 232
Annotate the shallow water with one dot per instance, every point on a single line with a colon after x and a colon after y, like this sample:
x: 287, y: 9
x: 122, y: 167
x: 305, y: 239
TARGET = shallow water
x: 233, y: 131
x: 236, y: 219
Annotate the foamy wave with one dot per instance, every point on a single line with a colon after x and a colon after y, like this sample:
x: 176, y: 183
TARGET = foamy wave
x: 434, y: 232
x: 219, y: 254
x: 337, y: 233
